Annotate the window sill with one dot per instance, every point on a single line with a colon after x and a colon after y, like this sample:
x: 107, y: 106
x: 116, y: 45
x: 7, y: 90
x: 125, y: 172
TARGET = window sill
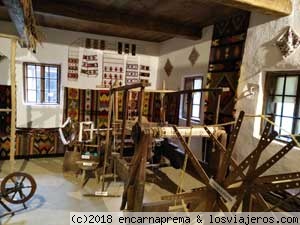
x: 42, y: 105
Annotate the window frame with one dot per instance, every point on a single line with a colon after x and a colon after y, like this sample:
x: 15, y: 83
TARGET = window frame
x: 193, y: 77
x: 275, y: 75
x: 42, y: 93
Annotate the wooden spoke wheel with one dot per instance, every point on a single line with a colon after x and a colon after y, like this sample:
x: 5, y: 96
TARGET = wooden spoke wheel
x: 18, y: 187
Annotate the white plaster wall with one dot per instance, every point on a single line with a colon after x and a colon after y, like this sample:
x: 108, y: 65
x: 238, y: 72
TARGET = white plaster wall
x: 261, y: 55
x: 55, y: 50
x: 177, y: 50
x: 5, y: 62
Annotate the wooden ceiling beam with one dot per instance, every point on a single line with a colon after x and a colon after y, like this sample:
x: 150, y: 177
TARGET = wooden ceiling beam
x: 16, y: 14
x: 116, y: 18
x: 277, y: 7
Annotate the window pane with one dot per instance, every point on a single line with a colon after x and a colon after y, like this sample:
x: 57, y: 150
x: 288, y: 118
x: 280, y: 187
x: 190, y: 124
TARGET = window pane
x: 196, y: 111
x: 279, y: 86
x: 291, y: 85
x: 278, y: 107
x: 197, y: 83
x: 47, y: 84
x: 289, y: 106
x: 47, y: 72
x: 287, y: 124
x: 277, y: 122
x: 31, y: 83
x: 50, y: 97
x: 31, y: 96
x: 197, y: 98
x: 30, y: 71
x: 53, y: 72
x: 38, y: 71
x: 53, y: 85
x: 38, y: 84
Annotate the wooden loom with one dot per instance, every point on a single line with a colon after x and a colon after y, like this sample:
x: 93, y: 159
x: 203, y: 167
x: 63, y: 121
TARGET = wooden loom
x: 143, y: 133
x: 244, y: 182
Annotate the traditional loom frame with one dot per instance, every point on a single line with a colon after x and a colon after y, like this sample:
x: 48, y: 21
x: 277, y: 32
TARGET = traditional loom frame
x: 13, y: 46
x: 252, y: 183
x: 138, y: 162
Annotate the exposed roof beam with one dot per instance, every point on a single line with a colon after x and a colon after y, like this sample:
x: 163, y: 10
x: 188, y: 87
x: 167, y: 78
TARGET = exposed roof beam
x: 122, y: 19
x: 71, y: 24
x: 273, y: 7
x: 16, y: 14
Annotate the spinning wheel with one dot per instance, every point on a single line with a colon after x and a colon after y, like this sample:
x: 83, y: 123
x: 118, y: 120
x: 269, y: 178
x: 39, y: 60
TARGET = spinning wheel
x: 241, y: 185
x: 68, y: 132
x: 18, y: 187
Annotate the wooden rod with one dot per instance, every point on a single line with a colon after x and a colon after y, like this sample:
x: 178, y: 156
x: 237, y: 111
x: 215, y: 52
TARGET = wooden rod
x: 107, y: 139
x: 217, y: 90
x: 218, y: 108
x: 141, y: 102
x: 9, y: 36
x: 13, y: 100
x: 124, y: 112
x: 5, y: 110
x: 130, y: 86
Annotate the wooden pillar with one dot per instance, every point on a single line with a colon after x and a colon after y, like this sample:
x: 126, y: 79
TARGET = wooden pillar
x: 107, y: 139
x: 13, y: 102
x: 141, y: 102
x: 124, y: 113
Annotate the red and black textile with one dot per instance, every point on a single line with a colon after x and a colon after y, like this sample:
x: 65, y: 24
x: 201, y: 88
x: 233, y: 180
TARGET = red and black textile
x: 226, y: 56
x: 172, y: 104
x: 87, y: 105
x: 155, y: 103
x: 5, y: 117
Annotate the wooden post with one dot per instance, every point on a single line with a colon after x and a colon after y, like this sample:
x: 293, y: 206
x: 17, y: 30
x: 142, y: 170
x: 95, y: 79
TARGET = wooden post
x: 13, y: 102
x: 124, y: 112
x: 141, y: 102
x: 107, y: 138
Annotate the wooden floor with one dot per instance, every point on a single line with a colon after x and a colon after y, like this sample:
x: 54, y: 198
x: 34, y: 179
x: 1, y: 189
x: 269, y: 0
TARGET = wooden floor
x: 59, y: 194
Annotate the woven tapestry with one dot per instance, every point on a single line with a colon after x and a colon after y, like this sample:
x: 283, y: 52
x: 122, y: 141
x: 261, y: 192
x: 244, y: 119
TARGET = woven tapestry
x: 73, y: 63
x: 5, y: 120
x: 87, y: 105
x: 89, y: 65
x: 172, y: 103
x: 133, y: 105
x: 4, y: 146
x: 132, y: 74
x: 154, y: 110
x: 38, y: 142
x: 224, y: 65
x: 113, y: 70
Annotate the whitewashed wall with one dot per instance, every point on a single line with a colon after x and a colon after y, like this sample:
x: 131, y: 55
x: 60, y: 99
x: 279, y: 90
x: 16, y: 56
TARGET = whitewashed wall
x: 261, y: 55
x: 55, y: 50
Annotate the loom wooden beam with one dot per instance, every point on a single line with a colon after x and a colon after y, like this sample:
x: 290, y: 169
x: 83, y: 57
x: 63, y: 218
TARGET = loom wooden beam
x: 16, y: 14
x: 277, y: 8
x: 124, y: 20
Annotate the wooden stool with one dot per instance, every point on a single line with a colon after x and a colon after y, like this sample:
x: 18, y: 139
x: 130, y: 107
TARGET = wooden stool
x: 90, y: 164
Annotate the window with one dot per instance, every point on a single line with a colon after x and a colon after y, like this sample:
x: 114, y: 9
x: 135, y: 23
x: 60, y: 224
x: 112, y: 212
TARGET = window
x: 191, y: 83
x: 283, y: 102
x: 41, y: 83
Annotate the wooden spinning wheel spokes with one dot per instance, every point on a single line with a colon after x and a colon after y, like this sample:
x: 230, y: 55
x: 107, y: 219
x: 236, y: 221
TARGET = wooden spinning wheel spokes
x: 244, y: 181
x: 18, y: 187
